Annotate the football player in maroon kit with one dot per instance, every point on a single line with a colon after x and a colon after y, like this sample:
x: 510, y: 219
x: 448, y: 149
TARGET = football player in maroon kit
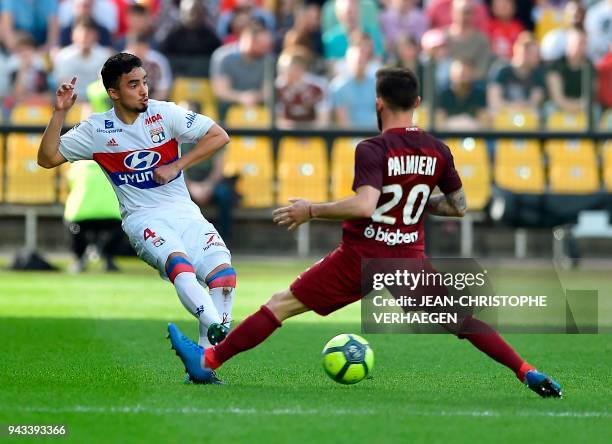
x: 395, y: 174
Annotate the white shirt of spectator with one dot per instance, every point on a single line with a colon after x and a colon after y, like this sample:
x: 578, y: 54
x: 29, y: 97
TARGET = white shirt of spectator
x: 71, y: 62
x: 129, y: 154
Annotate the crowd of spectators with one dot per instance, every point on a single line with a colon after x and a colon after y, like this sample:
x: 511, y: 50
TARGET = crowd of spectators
x: 315, y: 60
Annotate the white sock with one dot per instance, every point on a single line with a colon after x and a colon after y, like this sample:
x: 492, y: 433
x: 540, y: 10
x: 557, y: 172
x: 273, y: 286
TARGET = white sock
x: 223, y: 298
x: 198, y: 302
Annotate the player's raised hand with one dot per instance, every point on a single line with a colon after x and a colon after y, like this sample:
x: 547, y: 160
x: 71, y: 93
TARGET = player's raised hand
x: 293, y: 215
x: 65, y: 96
x: 165, y: 173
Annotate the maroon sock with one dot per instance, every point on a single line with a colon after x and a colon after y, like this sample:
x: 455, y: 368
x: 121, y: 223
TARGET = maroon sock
x: 248, y: 334
x: 487, y: 340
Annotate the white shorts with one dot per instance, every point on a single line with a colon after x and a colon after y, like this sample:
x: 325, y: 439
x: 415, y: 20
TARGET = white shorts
x: 155, y: 238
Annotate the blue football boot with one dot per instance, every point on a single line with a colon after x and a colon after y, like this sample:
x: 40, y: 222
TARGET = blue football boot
x: 543, y: 385
x: 191, y: 355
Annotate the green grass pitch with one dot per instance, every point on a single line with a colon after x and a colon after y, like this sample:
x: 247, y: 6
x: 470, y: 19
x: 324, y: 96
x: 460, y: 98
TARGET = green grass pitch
x: 89, y: 351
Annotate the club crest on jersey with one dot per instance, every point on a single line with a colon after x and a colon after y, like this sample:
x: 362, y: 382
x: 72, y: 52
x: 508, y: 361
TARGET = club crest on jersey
x: 108, y: 124
x: 157, y: 134
x: 142, y: 160
x: 152, y: 119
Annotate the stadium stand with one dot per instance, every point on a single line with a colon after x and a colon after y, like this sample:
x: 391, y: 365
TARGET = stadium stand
x: 196, y: 89
x: 302, y: 169
x: 252, y: 159
x: 343, y: 166
x: 524, y: 120
x: 26, y: 182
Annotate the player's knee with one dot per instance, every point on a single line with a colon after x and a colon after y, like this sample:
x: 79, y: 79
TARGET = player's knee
x: 222, y: 276
x: 284, y: 305
x: 176, y: 264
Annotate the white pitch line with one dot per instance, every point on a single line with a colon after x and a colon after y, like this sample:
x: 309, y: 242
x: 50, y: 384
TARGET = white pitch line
x: 135, y: 409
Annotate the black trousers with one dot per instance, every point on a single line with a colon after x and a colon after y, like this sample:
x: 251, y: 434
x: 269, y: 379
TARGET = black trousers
x: 106, y: 234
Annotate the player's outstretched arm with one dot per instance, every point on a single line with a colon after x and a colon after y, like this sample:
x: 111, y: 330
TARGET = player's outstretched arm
x: 49, y: 155
x: 215, y: 139
x: 361, y: 205
x: 450, y: 205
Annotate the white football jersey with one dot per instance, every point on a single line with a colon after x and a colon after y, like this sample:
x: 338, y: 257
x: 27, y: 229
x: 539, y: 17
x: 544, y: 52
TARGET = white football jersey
x: 129, y: 154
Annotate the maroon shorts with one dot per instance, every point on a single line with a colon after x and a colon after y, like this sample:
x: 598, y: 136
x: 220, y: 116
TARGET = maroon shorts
x: 334, y: 281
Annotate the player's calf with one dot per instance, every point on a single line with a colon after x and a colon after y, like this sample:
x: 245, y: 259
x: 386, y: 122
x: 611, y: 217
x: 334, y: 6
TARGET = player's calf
x: 191, y: 294
x: 222, y: 286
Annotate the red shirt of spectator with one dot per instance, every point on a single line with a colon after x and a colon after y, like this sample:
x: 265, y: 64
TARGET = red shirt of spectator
x: 503, y: 28
x: 439, y: 13
x: 604, y: 81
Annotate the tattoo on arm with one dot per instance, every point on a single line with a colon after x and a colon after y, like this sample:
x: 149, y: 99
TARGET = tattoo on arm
x: 451, y: 204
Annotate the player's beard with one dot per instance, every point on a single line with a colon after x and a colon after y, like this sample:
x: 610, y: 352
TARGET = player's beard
x: 379, y: 120
x: 138, y: 109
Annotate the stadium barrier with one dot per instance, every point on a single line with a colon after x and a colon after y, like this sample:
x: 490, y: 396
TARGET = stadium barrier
x: 304, y: 157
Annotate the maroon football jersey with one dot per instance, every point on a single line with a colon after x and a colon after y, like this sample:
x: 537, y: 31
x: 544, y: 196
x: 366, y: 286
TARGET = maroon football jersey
x: 405, y: 164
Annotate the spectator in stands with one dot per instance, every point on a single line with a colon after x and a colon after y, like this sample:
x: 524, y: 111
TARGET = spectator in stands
x: 462, y: 106
x: 38, y: 18
x: 435, y: 49
x: 83, y: 59
x: 104, y: 13
x: 604, y: 80
x: 255, y: 13
x: 353, y: 93
x: 405, y: 54
x: 207, y: 184
x: 503, y: 28
x: 4, y: 79
x: 27, y: 72
x: 402, y: 18
x: 466, y: 42
x: 566, y: 77
x: 83, y: 10
x: 238, y: 70
x: 192, y: 36
x: 139, y: 25
x: 284, y: 19
x: 240, y: 20
x: 555, y: 41
x: 440, y: 14
x: 520, y: 83
x: 336, y: 39
x: 306, y: 31
x: 598, y: 26
x: 302, y: 100
x: 159, y: 74
x: 364, y: 41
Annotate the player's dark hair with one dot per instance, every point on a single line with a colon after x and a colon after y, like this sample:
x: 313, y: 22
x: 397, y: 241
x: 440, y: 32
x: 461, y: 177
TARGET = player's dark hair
x: 397, y: 87
x: 116, y: 66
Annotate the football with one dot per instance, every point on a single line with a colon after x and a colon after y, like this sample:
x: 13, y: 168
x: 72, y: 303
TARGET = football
x: 348, y: 358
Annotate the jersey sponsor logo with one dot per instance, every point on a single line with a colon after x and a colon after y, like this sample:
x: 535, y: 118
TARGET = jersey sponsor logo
x: 135, y: 168
x: 108, y: 131
x: 157, y: 134
x: 112, y: 142
x: 142, y: 160
x: 152, y: 119
x: 108, y: 124
x: 190, y: 118
x: 391, y: 238
x: 411, y: 164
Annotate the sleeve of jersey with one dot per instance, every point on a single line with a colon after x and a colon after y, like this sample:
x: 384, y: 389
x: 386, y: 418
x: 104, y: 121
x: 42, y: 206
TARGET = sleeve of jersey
x: 77, y: 144
x: 369, y: 168
x: 188, y: 126
x: 449, y: 180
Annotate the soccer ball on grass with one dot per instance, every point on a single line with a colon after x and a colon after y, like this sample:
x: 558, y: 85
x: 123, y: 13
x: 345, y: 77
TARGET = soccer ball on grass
x: 348, y: 358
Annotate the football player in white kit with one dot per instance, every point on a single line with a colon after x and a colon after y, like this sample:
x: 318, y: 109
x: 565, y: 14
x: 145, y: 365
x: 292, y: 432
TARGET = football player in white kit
x: 137, y: 145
